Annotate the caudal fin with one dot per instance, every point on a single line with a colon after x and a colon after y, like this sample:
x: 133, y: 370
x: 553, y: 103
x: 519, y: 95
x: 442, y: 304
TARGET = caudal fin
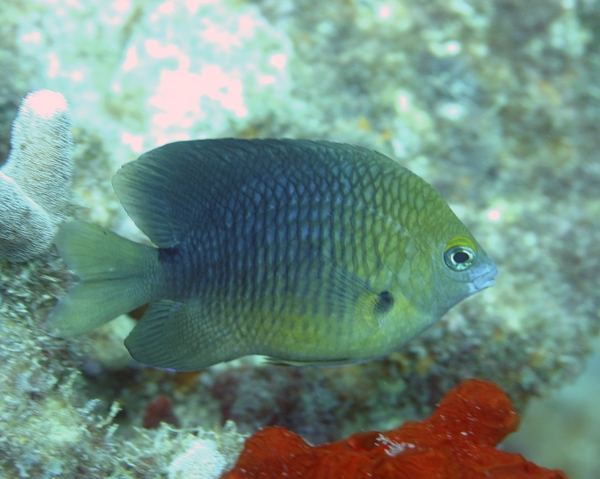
x: 116, y: 277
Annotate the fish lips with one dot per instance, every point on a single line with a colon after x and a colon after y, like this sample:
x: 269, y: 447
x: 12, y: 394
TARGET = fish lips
x: 487, y: 279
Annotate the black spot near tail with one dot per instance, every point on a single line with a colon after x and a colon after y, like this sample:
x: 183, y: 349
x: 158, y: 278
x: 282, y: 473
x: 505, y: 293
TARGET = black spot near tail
x: 168, y: 255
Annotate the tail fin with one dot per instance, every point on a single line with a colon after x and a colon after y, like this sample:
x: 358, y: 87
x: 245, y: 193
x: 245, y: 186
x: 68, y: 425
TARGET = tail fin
x: 116, y: 277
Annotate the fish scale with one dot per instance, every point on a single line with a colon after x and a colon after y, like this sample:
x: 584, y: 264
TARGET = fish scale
x: 305, y: 252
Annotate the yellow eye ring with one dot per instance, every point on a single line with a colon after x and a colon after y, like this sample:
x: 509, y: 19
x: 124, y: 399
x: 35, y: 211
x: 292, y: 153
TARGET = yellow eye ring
x: 459, y: 253
x: 460, y: 241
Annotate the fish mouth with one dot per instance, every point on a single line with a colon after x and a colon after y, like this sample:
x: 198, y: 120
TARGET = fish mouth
x: 486, y: 280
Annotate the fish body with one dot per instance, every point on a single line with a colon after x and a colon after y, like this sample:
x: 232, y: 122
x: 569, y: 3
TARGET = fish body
x: 302, y: 251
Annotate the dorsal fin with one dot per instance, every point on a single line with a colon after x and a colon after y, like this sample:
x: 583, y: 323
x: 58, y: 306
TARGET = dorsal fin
x: 159, y: 191
x: 166, y: 191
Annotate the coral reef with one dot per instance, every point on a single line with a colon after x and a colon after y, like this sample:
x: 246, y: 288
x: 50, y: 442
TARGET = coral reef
x: 35, y: 182
x: 51, y: 423
x: 494, y: 102
x: 403, y: 79
x: 457, y: 442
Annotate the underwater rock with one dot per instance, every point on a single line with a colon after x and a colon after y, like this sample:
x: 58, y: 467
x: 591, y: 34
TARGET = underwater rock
x: 457, y: 441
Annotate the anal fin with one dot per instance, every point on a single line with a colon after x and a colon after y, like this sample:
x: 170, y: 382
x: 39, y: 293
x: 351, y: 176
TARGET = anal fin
x: 180, y: 336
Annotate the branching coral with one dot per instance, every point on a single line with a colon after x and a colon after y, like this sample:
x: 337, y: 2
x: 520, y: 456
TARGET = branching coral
x: 457, y: 442
x: 35, y: 183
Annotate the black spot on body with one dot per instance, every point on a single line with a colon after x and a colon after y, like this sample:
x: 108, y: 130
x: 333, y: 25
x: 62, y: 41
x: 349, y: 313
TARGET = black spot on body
x: 385, y: 301
x: 168, y: 255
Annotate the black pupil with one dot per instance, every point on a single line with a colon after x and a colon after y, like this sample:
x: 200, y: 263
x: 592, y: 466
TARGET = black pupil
x: 385, y: 301
x: 461, y: 257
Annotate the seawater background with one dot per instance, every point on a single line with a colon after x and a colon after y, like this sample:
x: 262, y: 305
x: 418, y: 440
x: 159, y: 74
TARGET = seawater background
x: 496, y: 103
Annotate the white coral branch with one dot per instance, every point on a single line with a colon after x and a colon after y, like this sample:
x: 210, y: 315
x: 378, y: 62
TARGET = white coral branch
x: 35, y: 182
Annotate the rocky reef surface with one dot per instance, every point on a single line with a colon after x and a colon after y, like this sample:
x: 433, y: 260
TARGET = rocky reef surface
x: 494, y: 102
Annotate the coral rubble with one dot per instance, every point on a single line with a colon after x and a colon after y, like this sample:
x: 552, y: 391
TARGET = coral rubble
x: 35, y: 182
x: 202, y: 460
x: 457, y: 441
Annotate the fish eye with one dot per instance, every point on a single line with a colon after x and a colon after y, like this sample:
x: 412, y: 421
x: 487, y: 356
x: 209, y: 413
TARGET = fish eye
x: 459, y: 258
x: 459, y: 253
